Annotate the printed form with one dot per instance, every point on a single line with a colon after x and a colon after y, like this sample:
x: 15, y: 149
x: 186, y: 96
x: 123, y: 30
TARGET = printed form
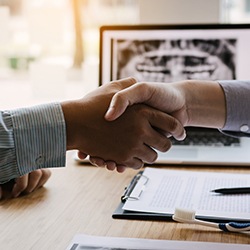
x: 161, y: 191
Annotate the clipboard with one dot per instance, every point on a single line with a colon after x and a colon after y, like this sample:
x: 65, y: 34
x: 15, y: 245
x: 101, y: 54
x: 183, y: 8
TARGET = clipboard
x: 120, y: 213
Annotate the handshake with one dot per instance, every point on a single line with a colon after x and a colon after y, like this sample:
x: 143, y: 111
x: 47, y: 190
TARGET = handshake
x: 118, y: 125
x: 123, y: 123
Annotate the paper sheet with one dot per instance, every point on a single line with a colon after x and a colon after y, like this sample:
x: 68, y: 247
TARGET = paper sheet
x: 166, y: 190
x: 85, y: 242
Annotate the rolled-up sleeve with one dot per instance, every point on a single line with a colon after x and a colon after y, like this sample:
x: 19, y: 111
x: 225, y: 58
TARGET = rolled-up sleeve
x: 31, y: 138
x: 237, y: 94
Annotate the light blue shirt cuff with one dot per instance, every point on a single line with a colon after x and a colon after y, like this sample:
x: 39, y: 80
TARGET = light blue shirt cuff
x: 39, y: 139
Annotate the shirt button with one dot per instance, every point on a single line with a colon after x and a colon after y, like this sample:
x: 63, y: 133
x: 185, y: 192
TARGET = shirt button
x: 244, y: 128
x: 39, y: 160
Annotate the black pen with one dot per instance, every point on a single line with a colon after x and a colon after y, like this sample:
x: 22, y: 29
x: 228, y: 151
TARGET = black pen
x: 234, y: 190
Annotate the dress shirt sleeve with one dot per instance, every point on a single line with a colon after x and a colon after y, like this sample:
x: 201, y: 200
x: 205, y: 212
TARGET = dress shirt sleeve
x: 237, y: 95
x: 31, y: 138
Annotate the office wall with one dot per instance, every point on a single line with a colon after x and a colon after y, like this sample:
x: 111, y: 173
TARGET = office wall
x: 179, y: 11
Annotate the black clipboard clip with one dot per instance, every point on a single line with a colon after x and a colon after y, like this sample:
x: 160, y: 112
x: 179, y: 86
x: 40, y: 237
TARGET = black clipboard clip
x: 128, y: 190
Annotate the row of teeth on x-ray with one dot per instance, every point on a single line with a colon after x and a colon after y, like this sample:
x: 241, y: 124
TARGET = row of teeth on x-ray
x: 167, y: 68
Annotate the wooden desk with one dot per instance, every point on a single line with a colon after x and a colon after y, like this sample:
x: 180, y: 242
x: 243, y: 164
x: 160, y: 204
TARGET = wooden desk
x: 81, y: 199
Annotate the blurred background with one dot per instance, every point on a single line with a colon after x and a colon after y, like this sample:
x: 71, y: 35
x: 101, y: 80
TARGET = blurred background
x: 49, y: 49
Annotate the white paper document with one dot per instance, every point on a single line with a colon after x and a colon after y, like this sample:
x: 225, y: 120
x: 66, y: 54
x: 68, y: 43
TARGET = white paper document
x: 86, y: 242
x: 161, y: 191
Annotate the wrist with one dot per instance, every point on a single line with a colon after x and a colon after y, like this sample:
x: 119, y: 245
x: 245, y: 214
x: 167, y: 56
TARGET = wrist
x: 205, y: 103
x: 69, y: 108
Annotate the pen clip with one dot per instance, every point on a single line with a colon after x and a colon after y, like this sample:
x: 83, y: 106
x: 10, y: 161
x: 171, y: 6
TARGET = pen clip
x: 128, y: 190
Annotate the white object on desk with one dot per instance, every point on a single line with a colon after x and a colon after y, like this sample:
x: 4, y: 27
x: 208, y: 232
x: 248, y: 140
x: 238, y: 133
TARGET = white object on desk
x: 82, y: 241
x: 168, y: 189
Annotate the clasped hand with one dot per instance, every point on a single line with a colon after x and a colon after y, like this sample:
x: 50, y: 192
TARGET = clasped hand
x: 129, y: 137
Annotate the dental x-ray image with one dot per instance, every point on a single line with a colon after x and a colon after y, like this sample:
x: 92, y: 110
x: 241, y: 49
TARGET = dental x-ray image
x: 174, y: 59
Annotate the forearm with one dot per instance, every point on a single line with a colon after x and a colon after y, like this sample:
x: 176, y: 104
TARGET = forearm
x: 205, y: 103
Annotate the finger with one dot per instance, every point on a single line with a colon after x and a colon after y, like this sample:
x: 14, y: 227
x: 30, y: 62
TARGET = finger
x: 20, y: 185
x: 34, y: 178
x: 125, y: 82
x: 121, y: 100
x: 96, y: 161
x: 46, y: 174
x: 81, y: 155
x: 135, y: 163
x: 146, y: 153
x: 168, y: 124
x: 110, y: 165
x: 121, y: 168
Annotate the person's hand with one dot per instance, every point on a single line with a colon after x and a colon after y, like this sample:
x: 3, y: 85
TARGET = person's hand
x: 130, y: 140
x: 154, y: 94
x: 117, y: 85
x: 168, y: 98
x: 161, y: 96
x: 193, y: 103
x: 25, y: 184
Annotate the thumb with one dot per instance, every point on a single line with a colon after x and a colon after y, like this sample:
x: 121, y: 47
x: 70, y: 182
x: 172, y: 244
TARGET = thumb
x: 137, y: 93
x: 117, y: 107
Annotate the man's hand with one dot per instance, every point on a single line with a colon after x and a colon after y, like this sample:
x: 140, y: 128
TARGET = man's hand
x: 192, y: 102
x: 160, y: 96
x: 166, y: 97
x: 130, y: 140
x: 25, y: 184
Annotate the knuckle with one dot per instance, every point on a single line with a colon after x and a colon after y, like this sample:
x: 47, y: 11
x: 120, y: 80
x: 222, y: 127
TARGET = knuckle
x: 141, y: 110
x: 125, y: 157
x: 37, y: 174
x: 46, y: 173
x: 152, y: 158
x: 132, y: 80
x: 120, y: 97
x: 138, y: 165
x: 173, y: 125
x: 176, y: 129
x: 22, y: 186
x: 166, y: 145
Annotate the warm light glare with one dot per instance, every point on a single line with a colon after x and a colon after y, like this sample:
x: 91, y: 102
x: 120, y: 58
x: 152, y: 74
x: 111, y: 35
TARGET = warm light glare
x: 46, y: 28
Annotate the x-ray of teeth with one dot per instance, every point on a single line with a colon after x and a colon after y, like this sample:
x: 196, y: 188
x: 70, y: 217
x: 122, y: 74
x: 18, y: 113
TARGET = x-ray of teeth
x: 175, y: 60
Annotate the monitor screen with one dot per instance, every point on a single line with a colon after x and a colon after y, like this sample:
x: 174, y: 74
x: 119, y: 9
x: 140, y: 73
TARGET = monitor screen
x: 167, y: 53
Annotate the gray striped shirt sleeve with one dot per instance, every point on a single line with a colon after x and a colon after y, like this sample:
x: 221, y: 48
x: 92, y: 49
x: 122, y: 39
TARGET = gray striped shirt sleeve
x: 31, y: 138
x: 237, y: 95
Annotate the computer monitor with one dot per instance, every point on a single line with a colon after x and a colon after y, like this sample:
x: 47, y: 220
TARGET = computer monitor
x: 174, y: 52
